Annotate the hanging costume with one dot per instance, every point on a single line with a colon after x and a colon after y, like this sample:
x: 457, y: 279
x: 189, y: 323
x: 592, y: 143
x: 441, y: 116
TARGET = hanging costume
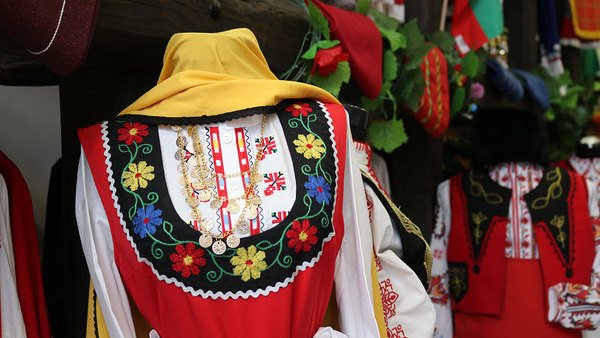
x: 305, y: 232
x: 508, y: 240
x: 402, y: 257
x: 25, y: 262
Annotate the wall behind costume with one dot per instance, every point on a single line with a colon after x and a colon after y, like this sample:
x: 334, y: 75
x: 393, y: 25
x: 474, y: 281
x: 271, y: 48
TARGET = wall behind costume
x: 30, y: 137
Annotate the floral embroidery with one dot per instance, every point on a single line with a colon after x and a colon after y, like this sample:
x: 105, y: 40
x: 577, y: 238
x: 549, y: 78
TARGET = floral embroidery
x: 299, y: 108
x: 302, y: 236
x: 188, y: 260
x: 171, y: 247
x: 132, y: 132
x: 248, y: 263
x: 138, y: 175
x: 147, y: 220
x: 318, y: 188
x: 309, y: 146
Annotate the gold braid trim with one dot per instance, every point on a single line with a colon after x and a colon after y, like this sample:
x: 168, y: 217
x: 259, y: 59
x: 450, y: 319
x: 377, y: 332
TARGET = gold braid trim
x: 554, y: 191
x: 409, y: 226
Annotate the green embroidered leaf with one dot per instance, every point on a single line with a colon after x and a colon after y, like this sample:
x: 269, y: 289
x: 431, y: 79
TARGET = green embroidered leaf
x: 469, y: 64
x: 318, y: 20
x: 370, y: 105
x: 458, y: 100
x: 383, y: 21
x: 362, y: 6
x: 396, y: 39
x: 390, y: 66
x: 333, y: 82
x: 323, y: 44
x: 387, y: 135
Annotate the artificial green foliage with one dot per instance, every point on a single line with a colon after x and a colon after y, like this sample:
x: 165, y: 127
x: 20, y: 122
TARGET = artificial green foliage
x: 470, y: 64
x: 333, y: 82
x: 370, y: 105
x: 409, y: 87
x: 395, y: 38
x: 458, y: 100
x: 362, y: 6
x: 384, y: 21
x: 572, y: 105
x: 318, y: 20
x: 390, y: 66
x: 323, y: 44
x: 387, y: 135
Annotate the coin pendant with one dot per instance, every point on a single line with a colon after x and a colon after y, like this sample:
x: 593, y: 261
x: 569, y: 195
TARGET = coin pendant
x: 233, y: 241
x: 191, y: 201
x: 208, y: 224
x: 233, y: 207
x: 211, y: 182
x: 251, y: 213
x: 195, y: 173
x: 243, y: 228
x: 219, y: 247
x: 192, y: 161
x: 178, y: 155
x: 182, y: 168
x: 204, y: 195
x: 181, y: 141
x: 205, y: 241
x: 182, y: 180
x: 255, y: 199
x: 216, y: 204
x: 197, y: 184
x: 177, y: 128
x: 256, y: 177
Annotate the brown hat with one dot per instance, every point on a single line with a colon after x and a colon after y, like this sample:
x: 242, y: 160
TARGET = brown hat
x: 57, y: 32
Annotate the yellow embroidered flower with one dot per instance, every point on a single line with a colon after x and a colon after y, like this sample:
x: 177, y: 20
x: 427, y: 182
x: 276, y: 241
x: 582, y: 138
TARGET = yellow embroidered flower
x: 138, y: 175
x: 248, y: 263
x: 310, y: 146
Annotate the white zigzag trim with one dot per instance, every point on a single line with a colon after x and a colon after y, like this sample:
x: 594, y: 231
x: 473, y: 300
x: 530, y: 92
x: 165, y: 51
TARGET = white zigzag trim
x: 219, y: 294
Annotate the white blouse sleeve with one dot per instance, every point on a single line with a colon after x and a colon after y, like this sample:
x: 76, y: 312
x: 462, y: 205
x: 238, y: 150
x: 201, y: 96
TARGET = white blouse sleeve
x: 438, y: 289
x: 353, y: 264
x: 96, y: 240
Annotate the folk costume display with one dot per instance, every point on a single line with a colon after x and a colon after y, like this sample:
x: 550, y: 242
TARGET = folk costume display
x: 225, y: 202
x: 513, y: 241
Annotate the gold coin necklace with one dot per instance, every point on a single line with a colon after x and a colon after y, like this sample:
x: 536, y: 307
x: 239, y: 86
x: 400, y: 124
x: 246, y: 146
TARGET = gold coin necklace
x: 203, y: 180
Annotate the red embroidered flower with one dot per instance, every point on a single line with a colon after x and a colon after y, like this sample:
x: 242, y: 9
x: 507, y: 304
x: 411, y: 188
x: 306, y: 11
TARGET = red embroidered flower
x: 299, y: 108
x: 188, y: 259
x: 326, y: 60
x: 302, y: 235
x: 132, y: 132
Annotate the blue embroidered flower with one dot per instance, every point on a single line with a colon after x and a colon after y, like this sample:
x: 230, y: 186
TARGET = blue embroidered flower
x: 147, y: 220
x: 318, y: 188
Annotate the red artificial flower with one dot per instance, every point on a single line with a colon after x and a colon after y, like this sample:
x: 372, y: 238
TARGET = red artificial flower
x: 132, y: 132
x: 188, y: 259
x: 457, y: 67
x: 302, y: 235
x: 326, y: 60
x: 299, y: 108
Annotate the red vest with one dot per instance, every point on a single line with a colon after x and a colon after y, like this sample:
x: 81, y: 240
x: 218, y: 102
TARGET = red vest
x: 476, y: 257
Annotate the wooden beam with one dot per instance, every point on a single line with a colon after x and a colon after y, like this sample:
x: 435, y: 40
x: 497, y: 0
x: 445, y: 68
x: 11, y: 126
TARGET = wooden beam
x: 132, y: 35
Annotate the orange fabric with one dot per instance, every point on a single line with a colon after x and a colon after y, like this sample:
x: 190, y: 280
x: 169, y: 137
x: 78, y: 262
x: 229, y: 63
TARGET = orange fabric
x: 523, y: 312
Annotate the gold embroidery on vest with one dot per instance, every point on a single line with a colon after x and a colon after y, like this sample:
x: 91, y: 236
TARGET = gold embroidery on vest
x: 457, y: 279
x: 476, y: 189
x: 559, y: 222
x: 554, y: 191
x: 478, y: 218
